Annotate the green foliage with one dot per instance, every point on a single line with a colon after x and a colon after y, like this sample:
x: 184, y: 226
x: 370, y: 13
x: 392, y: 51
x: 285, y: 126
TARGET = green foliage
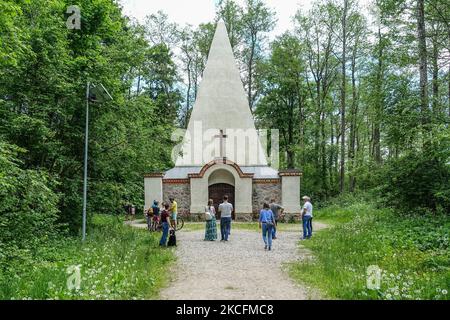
x: 412, y: 252
x: 28, y: 211
x: 419, y: 181
x: 116, y: 262
x: 282, y: 106
x: 42, y: 102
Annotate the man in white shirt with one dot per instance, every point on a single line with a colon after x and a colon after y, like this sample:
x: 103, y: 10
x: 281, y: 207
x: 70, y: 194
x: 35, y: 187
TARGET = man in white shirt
x: 307, y: 217
x: 225, y: 209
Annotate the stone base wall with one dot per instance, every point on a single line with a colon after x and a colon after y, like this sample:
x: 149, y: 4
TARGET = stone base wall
x: 182, y: 194
x: 261, y: 192
x: 264, y: 192
x: 247, y: 217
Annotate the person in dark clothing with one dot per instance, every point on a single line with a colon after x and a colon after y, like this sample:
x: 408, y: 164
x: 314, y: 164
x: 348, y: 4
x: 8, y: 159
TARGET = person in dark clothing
x: 165, y: 221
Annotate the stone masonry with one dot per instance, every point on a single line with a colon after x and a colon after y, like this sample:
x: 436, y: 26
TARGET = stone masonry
x: 182, y: 194
x: 264, y: 192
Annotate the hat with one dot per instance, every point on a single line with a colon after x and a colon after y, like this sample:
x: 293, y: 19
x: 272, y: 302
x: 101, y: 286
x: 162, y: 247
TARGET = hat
x: 306, y: 198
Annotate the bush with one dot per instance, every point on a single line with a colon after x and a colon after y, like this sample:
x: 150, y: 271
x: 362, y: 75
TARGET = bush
x: 28, y: 211
x: 419, y: 181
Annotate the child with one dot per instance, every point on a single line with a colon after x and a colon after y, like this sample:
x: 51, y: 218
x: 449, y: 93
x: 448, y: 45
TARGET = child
x: 149, y: 216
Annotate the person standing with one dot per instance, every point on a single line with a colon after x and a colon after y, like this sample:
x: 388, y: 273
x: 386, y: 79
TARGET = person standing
x: 225, y: 209
x: 307, y: 217
x: 276, y: 210
x: 173, y: 212
x: 211, y: 226
x: 149, y: 217
x: 266, y: 223
x: 133, y: 212
x: 156, y: 213
x: 165, y: 221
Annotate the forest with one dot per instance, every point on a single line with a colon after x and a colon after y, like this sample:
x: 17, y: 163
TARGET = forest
x: 360, y: 96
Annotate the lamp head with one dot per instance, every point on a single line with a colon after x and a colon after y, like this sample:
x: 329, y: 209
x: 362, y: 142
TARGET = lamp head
x: 98, y: 93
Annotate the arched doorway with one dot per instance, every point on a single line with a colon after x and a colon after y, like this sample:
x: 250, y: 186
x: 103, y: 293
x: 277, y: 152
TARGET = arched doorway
x: 221, y: 183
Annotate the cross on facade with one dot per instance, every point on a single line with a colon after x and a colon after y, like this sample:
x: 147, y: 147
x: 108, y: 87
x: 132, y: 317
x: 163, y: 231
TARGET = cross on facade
x: 221, y: 136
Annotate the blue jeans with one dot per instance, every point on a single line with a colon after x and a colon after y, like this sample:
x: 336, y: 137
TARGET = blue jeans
x: 307, y: 227
x: 165, y: 233
x: 267, y: 232
x: 225, y: 227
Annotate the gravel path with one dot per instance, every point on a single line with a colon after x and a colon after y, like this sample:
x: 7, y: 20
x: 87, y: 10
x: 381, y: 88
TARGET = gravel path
x: 237, y: 269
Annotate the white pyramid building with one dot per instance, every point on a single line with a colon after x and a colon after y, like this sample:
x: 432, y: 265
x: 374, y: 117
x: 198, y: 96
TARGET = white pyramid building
x: 221, y: 105
x: 221, y: 153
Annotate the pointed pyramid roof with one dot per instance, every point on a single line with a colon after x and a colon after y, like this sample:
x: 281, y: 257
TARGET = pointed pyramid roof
x: 221, y: 104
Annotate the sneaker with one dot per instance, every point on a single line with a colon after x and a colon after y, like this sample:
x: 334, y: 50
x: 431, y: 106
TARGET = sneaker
x: 270, y: 248
x: 265, y: 247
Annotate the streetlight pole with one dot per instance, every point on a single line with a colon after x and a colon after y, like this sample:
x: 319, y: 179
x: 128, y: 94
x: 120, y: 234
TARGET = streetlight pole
x: 96, y: 94
x: 86, y: 136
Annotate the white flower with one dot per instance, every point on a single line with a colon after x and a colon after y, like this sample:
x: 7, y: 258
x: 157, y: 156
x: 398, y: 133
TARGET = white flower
x: 444, y: 291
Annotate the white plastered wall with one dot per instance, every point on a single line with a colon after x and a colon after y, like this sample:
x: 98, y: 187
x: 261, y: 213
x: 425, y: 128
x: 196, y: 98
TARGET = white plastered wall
x: 290, y: 193
x: 153, y: 190
x: 243, y: 190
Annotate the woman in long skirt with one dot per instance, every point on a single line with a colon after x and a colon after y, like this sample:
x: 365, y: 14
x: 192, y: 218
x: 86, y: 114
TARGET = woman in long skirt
x: 211, y: 226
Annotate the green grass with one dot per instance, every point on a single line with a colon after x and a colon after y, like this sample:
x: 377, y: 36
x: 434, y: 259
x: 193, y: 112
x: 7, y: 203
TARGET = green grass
x: 116, y: 262
x: 411, y: 251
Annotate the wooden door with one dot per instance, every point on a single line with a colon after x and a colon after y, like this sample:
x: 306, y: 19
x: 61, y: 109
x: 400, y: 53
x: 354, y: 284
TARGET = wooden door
x: 216, y: 193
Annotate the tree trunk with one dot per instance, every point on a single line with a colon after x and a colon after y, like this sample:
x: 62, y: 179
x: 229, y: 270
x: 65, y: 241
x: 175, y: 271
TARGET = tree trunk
x: 379, y: 103
x: 331, y: 162
x: 317, y: 128
x: 343, y: 92
x: 301, y: 131
x: 435, y: 84
x: 353, y: 117
x: 188, y: 94
x: 422, y: 65
x: 290, y: 152
x: 250, y: 75
x: 138, y: 85
x: 323, y: 155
